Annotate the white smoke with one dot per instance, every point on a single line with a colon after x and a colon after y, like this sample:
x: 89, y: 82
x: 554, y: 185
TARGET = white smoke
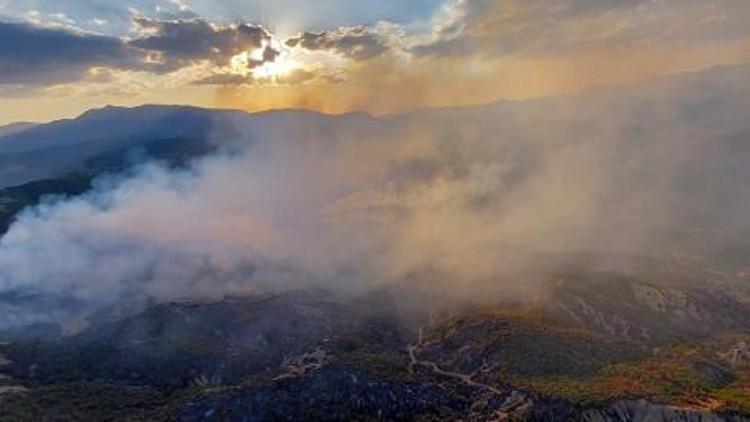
x: 459, y: 193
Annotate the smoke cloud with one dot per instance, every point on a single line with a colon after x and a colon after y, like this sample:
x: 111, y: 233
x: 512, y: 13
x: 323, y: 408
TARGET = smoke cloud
x: 462, y: 197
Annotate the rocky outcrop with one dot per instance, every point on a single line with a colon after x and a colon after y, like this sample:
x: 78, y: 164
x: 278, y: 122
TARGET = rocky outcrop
x: 644, y: 312
x: 336, y: 392
x: 304, y: 356
x: 585, y: 314
x: 737, y: 355
x: 642, y: 410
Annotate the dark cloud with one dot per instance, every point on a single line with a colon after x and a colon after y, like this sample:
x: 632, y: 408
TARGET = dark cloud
x: 225, y: 79
x: 296, y: 77
x: 184, y: 42
x: 269, y: 55
x: 32, y: 55
x: 357, y: 43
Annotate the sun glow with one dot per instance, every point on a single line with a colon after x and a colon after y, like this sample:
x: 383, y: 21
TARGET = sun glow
x: 252, y: 63
x: 239, y: 64
x: 280, y: 67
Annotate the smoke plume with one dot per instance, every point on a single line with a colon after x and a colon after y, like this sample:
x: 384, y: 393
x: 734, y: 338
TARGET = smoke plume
x: 353, y: 202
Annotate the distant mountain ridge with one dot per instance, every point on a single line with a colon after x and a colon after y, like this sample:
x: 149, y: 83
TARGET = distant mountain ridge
x: 49, y: 150
x: 16, y: 127
x: 33, y: 151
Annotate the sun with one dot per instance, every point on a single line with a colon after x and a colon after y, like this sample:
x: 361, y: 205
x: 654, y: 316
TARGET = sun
x: 278, y: 68
x: 281, y: 66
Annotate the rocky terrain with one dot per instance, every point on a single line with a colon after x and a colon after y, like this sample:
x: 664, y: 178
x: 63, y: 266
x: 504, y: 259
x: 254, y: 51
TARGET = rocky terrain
x: 311, y: 355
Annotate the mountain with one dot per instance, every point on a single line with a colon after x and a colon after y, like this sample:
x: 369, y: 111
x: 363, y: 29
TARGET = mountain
x: 46, y: 151
x: 646, y: 318
x: 14, y: 199
x: 42, y: 160
x: 12, y: 128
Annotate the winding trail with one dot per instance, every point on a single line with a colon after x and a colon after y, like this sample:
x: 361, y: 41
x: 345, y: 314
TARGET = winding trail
x: 413, y: 348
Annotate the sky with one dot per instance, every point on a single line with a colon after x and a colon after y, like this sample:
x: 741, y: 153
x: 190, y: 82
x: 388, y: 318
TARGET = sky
x: 59, y: 58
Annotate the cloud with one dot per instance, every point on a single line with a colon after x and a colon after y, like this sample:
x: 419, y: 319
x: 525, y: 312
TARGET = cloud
x: 296, y: 77
x: 357, y: 43
x: 183, y: 42
x: 36, y: 56
x: 492, y: 27
x: 297, y: 15
x: 32, y: 56
x: 473, y: 51
x: 225, y: 79
x: 269, y: 54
